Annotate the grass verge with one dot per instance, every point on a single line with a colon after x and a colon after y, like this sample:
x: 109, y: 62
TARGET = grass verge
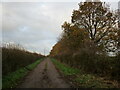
x: 11, y: 80
x: 81, y: 79
x: 65, y: 69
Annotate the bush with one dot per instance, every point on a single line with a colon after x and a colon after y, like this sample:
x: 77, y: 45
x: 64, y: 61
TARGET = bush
x: 88, y: 61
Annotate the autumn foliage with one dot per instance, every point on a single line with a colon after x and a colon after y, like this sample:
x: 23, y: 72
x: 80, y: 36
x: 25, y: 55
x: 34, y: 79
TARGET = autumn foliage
x: 88, y: 41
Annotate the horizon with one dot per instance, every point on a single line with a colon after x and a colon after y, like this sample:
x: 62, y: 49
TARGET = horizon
x: 25, y: 23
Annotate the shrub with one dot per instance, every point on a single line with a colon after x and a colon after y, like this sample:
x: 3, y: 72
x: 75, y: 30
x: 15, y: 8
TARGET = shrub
x: 88, y: 61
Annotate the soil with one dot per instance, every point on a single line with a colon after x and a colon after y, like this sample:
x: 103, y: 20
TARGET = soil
x: 44, y: 75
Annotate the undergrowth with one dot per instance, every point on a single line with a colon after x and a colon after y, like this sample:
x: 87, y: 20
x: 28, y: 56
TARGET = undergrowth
x: 82, y: 79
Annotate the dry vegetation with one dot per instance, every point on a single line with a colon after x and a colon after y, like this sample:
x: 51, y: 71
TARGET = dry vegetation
x: 87, y: 41
x: 15, y: 57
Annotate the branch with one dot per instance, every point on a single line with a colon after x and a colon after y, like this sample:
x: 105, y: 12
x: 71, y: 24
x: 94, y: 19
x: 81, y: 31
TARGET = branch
x: 104, y: 34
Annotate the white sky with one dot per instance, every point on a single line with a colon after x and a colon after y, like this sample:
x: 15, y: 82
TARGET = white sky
x: 53, y: 0
x: 35, y: 25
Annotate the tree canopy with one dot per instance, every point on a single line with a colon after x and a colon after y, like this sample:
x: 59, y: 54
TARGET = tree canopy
x: 93, y: 24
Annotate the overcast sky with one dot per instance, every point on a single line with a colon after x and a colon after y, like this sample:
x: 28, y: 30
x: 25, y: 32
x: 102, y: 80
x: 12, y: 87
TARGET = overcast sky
x: 35, y: 25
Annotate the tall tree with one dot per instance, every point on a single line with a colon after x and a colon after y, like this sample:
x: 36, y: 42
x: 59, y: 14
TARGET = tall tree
x: 96, y: 19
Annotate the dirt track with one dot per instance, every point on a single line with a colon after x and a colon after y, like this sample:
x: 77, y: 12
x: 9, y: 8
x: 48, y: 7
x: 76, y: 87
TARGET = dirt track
x: 44, y: 75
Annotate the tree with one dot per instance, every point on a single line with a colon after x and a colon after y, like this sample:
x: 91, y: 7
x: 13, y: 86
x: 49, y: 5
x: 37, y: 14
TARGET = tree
x: 96, y: 19
x: 119, y: 24
x: 73, y: 37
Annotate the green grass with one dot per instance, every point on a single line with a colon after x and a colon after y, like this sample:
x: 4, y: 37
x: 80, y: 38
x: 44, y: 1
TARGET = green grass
x: 82, y: 79
x: 11, y: 80
x: 65, y: 69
